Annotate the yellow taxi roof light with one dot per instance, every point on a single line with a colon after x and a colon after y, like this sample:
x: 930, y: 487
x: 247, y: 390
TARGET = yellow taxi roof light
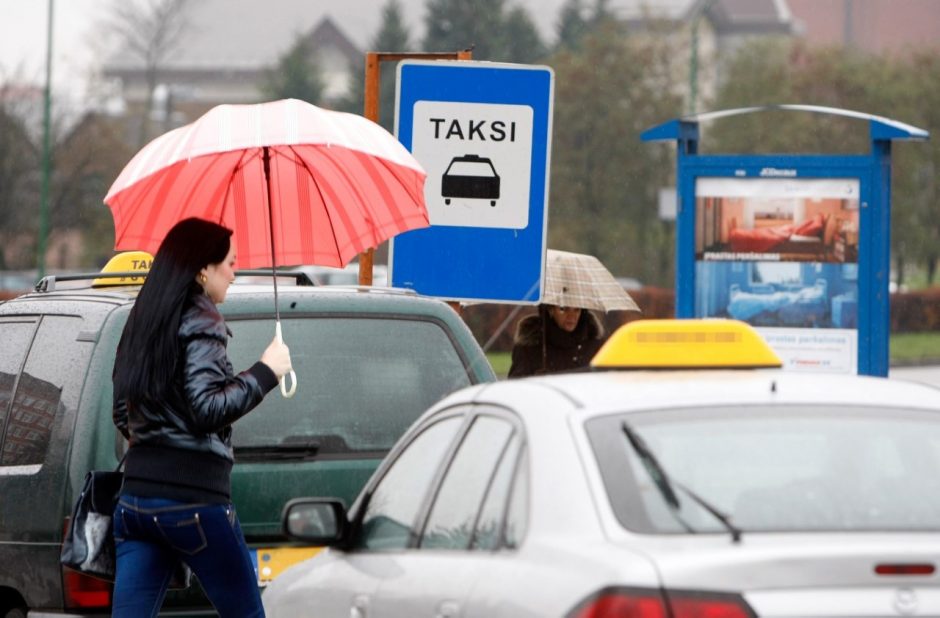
x: 127, y: 262
x: 685, y: 344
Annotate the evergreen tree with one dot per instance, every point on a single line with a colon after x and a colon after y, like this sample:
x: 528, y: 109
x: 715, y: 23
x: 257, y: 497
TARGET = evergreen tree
x: 19, y: 184
x: 297, y: 75
x: 523, y: 43
x: 602, y: 13
x: 572, y: 26
x: 605, y: 182
x: 393, y: 36
x: 453, y: 25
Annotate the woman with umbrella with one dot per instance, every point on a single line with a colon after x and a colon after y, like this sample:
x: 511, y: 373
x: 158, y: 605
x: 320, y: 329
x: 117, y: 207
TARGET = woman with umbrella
x: 565, y: 334
x: 555, y: 339
x: 176, y: 398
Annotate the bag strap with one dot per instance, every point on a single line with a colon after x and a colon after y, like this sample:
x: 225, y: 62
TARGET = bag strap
x: 121, y: 463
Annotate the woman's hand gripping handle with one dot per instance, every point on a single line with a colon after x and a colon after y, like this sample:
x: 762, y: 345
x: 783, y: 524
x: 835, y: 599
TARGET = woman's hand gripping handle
x: 277, y: 357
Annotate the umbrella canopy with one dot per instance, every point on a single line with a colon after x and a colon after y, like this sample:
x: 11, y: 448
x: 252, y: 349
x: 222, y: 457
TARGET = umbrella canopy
x: 579, y: 280
x: 321, y: 186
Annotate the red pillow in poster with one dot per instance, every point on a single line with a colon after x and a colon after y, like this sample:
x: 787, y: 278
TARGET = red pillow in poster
x: 762, y: 240
x: 811, y: 227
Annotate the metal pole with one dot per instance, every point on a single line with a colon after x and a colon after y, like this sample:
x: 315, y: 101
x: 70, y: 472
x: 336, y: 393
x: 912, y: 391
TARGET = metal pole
x: 693, y: 66
x: 371, y: 105
x: 371, y: 111
x: 46, y: 155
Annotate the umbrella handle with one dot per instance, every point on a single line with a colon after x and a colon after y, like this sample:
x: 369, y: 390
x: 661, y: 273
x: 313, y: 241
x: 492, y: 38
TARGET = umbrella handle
x: 286, y: 392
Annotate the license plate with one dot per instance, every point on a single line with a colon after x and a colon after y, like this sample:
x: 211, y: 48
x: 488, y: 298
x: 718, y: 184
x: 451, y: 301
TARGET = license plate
x: 271, y: 562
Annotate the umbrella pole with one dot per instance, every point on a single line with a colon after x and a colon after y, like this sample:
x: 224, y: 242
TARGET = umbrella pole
x: 266, y: 160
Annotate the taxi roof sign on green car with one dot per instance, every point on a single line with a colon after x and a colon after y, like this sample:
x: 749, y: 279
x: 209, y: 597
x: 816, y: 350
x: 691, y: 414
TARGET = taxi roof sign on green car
x: 124, y: 267
x: 685, y: 344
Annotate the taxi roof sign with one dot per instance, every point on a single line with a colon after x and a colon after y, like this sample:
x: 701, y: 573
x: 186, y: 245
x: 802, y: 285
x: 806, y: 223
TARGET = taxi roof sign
x: 125, y: 264
x: 685, y: 344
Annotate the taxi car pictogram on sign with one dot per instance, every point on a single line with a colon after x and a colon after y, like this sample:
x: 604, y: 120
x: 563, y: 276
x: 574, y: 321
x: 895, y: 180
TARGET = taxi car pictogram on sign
x: 683, y: 476
x: 470, y: 176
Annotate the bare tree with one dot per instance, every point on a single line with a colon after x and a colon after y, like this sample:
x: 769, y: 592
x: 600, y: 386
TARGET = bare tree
x: 150, y: 30
x: 19, y: 162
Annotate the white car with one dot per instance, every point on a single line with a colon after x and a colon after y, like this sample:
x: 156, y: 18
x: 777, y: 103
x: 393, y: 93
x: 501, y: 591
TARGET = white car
x: 642, y: 493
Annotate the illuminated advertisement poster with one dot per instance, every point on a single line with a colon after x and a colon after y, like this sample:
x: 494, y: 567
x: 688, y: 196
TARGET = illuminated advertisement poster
x: 782, y: 255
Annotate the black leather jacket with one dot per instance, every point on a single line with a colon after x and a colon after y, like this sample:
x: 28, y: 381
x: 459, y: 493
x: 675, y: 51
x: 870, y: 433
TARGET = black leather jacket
x: 206, y: 398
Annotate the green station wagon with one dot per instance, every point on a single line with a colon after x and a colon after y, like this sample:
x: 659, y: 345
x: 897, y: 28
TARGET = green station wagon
x: 368, y: 362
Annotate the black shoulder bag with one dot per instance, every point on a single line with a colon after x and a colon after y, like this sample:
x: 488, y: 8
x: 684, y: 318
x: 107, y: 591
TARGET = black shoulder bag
x: 88, y: 546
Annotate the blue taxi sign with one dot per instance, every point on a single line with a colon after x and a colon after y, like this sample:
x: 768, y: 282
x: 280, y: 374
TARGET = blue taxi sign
x: 482, y: 131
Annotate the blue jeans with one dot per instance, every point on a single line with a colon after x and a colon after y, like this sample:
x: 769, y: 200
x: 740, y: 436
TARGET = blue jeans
x: 153, y: 534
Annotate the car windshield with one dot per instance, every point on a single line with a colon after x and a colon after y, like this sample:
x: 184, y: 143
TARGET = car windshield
x: 779, y: 468
x: 361, y: 382
x: 470, y: 168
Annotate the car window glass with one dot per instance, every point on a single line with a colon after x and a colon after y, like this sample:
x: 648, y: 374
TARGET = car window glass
x: 362, y: 381
x: 49, y: 387
x: 780, y: 468
x: 518, y: 514
x: 451, y: 520
x: 15, y: 337
x: 393, y: 507
x: 487, y: 530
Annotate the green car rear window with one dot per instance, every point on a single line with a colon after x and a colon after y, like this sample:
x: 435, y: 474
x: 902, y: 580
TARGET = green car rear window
x: 361, y: 381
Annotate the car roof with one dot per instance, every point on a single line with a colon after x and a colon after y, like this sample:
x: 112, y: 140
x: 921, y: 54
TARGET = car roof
x: 258, y: 297
x: 589, y: 393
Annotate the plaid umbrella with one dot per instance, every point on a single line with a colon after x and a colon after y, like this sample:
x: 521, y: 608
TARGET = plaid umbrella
x: 579, y: 280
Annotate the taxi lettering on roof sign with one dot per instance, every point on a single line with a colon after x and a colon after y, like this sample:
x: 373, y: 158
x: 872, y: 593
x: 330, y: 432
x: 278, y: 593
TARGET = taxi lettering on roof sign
x: 124, y: 264
x: 681, y: 344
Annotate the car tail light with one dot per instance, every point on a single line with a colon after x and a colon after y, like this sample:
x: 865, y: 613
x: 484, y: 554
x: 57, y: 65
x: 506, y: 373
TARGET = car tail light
x: 622, y: 603
x: 905, y: 569
x: 646, y: 603
x: 84, y: 591
x: 706, y: 605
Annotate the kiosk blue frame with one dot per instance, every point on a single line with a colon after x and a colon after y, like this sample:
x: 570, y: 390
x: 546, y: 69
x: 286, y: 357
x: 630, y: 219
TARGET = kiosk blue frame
x: 798, y: 245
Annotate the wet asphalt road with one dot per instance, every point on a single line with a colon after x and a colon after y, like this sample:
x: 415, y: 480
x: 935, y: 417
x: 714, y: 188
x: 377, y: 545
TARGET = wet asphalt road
x: 928, y: 374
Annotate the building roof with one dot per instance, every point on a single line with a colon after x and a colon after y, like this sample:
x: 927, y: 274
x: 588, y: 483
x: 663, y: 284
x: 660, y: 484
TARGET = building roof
x: 874, y: 26
x: 249, y: 35
x: 729, y: 12
x: 240, y: 35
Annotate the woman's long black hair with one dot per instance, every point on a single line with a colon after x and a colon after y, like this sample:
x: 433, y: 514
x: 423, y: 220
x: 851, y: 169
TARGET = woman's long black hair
x: 148, y: 352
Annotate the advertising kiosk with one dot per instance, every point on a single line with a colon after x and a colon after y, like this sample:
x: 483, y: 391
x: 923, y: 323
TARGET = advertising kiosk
x: 796, y: 245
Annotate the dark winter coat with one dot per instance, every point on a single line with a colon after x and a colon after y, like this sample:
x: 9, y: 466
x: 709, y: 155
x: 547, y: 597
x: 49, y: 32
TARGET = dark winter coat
x: 563, y: 351
x: 184, y: 442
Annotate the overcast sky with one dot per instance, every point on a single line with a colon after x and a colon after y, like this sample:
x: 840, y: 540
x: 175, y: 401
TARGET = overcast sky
x: 23, y: 25
x: 77, y: 48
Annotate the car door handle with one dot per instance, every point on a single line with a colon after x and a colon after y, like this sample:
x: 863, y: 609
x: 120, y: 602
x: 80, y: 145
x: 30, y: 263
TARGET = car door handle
x: 448, y: 609
x: 360, y: 606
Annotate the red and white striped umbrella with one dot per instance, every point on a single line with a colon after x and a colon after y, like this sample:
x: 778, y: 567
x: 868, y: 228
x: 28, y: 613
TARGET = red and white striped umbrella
x: 297, y: 184
x: 335, y: 185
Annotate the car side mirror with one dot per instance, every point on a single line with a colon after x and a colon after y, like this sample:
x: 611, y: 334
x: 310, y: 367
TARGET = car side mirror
x: 319, y: 521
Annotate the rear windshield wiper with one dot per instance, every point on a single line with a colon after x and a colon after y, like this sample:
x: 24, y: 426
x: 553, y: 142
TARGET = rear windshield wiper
x: 665, y: 485
x: 291, y: 447
x: 297, y: 447
x: 280, y: 451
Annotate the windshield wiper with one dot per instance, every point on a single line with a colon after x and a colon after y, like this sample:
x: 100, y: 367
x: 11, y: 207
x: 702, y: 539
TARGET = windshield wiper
x: 665, y: 485
x: 280, y: 451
